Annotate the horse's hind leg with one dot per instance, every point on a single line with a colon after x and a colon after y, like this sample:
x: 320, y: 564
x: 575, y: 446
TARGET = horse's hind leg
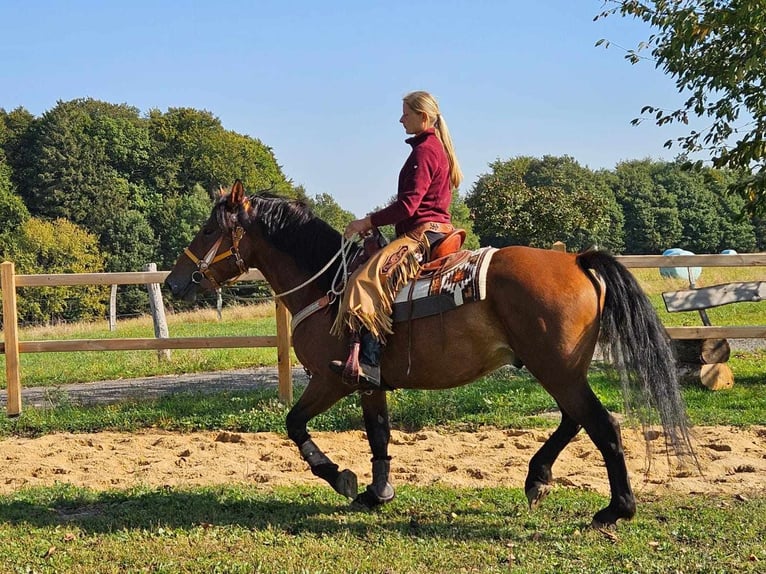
x: 540, y: 472
x: 378, y: 426
x: 604, y: 430
x: 319, y: 396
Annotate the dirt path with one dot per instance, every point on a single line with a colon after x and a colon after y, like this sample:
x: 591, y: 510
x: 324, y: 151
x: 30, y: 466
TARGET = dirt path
x: 734, y: 460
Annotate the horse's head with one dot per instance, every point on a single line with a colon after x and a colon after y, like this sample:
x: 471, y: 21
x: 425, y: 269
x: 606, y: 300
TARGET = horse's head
x: 213, y: 257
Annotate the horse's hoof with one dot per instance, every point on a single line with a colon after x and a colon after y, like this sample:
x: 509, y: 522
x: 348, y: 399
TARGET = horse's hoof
x: 370, y: 499
x: 599, y: 524
x: 606, y: 518
x: 346, y: 484
x: 537, y: 493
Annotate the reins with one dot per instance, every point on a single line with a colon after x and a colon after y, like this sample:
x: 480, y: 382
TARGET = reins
x: 212, y: 257
x: 345, y: 249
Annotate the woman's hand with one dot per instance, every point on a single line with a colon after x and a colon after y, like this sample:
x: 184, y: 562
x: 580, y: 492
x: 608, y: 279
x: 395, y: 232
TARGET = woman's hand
x: 358, y: 226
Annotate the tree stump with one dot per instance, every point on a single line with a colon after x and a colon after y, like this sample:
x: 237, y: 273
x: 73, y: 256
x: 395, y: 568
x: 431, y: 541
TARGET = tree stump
x: 715, y: 376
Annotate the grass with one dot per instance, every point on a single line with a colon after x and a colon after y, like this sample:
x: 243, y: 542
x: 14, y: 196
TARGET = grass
x: 506, y: 399
x: 301, y: 530
x: 50, y: 369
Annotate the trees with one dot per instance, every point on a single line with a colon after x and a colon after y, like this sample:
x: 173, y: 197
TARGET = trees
x: 530, y: 201
x: 652, y: 222
x: 83, y: 162
x: 714, y: 50
x: 325, y: 207
x: 191, y: 147
x: 666, y: 205
x: 462, y: 219
x: 57, y: 246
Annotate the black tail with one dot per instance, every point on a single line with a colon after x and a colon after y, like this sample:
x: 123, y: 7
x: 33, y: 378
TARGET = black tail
x: 633, y: 337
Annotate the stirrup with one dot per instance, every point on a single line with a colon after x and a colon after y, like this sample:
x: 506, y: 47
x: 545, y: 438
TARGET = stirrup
x: 365, y: 374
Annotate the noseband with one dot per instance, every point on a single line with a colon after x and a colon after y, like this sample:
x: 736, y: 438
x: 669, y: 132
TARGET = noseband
x: 212, y: 257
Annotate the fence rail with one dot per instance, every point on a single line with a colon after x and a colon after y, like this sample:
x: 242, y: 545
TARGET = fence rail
x: 12, y: 347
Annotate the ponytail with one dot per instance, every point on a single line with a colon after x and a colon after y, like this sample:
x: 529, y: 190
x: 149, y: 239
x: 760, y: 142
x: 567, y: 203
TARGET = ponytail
x: 424, y: 103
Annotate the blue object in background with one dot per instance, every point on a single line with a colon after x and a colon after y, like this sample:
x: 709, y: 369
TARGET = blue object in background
x: 689, y: 273
x: 728, y: 252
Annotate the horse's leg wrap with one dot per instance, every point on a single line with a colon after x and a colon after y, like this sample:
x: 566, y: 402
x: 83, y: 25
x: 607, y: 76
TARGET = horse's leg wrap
x: 343, y: 482
x: 380, y: 491
x: 381, y: 488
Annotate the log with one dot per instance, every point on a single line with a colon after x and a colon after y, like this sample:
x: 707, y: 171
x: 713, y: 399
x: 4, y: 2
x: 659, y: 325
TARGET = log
x: 701, y: 351
x: 716, y: 377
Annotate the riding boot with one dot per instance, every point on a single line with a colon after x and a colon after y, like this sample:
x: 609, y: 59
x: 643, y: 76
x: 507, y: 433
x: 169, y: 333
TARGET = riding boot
x: 369, y: 360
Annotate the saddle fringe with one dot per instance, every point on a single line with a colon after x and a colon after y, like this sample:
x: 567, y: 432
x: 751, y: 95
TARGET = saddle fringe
x: 369, y: 298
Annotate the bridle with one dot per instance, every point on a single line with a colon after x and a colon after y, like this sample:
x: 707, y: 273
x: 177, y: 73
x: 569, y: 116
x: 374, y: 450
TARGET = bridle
x: 212, y: 257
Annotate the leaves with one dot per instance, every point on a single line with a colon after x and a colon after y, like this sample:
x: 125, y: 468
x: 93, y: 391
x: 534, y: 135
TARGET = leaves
x: 716, y: 52
x: 536, y: 202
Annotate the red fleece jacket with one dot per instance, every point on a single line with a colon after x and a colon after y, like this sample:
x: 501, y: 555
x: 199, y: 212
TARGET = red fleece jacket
x: 425, y: 192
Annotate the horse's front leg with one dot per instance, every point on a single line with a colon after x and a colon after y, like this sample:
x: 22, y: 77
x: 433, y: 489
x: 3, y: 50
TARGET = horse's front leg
x: 320, y: 395
x: 378, y: 426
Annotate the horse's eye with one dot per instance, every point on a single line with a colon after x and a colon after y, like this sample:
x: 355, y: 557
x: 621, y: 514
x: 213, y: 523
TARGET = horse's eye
x: 207, y: 230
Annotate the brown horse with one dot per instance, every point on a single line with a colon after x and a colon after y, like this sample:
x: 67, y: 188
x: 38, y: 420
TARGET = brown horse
x: 545, y: 308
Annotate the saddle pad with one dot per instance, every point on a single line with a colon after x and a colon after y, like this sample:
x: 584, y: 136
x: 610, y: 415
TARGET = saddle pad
x: 462, y: 280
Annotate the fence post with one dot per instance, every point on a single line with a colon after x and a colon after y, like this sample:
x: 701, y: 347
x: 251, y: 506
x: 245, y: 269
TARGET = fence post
x: 11, y: 336
x: 113, y: 308
x: 559, y: 246
x: 158, y: 313
x: 283, y: 354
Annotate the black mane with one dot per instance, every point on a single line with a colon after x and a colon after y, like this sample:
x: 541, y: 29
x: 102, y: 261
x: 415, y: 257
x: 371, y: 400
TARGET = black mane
x: 292, y: 227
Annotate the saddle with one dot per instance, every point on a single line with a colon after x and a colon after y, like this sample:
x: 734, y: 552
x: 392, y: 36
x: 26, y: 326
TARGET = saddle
x: 441, y: 256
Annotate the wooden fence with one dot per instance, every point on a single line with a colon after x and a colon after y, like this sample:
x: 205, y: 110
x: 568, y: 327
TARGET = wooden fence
x: 704, y: 332
x: 12, y: 347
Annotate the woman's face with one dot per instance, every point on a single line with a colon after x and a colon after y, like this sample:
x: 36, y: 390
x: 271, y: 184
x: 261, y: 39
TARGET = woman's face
x: 413, y: 122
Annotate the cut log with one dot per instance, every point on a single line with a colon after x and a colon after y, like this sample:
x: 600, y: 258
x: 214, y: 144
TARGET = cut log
x: 702, y: 351
x: 715, y: 377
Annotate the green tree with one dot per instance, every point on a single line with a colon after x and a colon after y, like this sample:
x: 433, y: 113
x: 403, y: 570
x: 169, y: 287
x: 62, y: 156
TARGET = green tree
x: 325, y: 207
x: 81, y: 164
x: 13, y: 212
x: 176, y: 220
x: 667, y: 205
x: 129, y: 244
x: 461, y: 219
x: 714, y: 51
x: 57, y: 246
x: 530, y: 201
x: 652, y: 222
x: 15, y: 141
x: 191, y: 147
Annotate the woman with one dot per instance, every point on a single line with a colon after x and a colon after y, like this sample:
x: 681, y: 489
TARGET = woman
x: 421, y: 218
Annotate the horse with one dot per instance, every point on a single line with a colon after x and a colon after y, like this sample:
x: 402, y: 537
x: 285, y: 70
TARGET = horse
x: 544, y: 308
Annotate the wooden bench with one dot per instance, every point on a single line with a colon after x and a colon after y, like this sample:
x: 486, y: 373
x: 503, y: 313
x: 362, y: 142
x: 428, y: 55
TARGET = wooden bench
x: 704, y: 360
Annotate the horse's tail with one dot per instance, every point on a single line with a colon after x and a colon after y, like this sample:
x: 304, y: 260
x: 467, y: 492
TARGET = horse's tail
x: 633, y: 337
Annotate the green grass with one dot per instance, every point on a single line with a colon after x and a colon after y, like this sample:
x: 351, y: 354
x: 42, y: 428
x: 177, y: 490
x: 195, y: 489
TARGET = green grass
x: 244, y: 530
x: 50, y: 369
x: 505, y: 399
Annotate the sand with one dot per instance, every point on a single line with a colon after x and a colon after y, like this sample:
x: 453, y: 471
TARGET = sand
x: 733, y: 460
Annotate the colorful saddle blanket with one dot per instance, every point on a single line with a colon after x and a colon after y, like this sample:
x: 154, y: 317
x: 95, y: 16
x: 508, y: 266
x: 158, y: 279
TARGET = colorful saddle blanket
x: 461, y: 279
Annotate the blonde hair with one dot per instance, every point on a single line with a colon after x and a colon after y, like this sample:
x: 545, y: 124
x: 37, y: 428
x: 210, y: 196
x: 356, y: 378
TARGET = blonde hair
x: 424, y: 103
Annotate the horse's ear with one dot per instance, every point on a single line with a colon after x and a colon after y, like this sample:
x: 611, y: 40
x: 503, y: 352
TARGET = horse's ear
x: 237, y: 195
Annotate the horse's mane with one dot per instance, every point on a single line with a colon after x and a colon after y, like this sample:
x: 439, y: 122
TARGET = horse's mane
x: 292, y: 227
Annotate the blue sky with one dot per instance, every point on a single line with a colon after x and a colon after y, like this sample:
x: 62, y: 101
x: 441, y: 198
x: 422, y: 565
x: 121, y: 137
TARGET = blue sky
x: 321, y: 82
